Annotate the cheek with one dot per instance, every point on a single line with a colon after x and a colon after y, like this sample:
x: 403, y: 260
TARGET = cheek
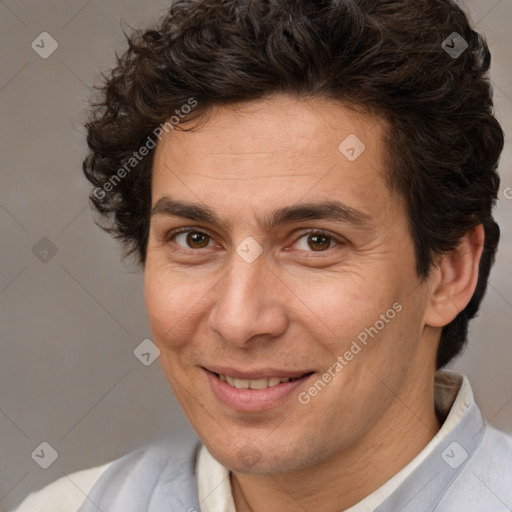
x: 366, y: 321
x: 173, y: 307
x: 342, y: 304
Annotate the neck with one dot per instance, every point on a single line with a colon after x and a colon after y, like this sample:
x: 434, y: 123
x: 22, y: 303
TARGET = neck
x: 349, y: 476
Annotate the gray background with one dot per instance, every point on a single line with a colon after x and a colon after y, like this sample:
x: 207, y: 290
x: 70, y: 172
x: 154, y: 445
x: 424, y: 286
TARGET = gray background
x: 69, y: 326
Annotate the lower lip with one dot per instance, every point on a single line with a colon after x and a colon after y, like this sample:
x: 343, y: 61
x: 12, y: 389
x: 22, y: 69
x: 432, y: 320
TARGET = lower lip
x: 249, y: 400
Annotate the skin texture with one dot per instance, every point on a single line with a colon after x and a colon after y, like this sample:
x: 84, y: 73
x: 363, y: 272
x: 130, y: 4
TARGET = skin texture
x: 297, y: 308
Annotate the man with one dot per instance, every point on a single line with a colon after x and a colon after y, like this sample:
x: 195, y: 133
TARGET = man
x: 309, y: 187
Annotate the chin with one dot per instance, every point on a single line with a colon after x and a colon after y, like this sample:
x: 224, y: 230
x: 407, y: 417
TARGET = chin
x: 260, y: 458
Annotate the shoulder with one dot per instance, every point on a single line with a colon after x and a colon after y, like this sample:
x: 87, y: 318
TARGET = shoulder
x: 486, y: 482
x: 166, y: 467
x: 494, y: 458
x: 64, y: 495
x: 164, y: 472
x: 171, y: 459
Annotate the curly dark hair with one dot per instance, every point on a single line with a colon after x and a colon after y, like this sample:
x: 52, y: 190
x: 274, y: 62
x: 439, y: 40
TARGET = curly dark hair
x: 386, y: 57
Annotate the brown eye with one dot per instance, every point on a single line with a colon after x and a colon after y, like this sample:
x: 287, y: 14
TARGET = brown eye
x: 197, y: 240
x: 319, y: 242
x: 316, y: 241
x: 192, y: 239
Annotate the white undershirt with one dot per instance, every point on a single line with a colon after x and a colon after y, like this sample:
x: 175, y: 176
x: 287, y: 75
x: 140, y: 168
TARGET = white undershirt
x: 214, y: 483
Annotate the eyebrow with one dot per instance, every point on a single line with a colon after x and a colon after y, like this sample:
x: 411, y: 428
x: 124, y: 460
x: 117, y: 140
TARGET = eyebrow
x: 327, y: 210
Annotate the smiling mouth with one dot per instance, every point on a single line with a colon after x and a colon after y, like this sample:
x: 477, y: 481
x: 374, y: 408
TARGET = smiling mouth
x: 256, y: 390
x: 257, y: 383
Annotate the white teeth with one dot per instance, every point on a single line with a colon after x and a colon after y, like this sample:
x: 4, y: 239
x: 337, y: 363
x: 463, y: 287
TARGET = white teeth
x: 253, y: 383
x: 274, y: 381
x: 242, y: 383
x: 257, y: 383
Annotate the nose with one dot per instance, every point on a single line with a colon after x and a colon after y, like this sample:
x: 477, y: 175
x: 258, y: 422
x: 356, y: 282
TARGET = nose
x: 247, y: 304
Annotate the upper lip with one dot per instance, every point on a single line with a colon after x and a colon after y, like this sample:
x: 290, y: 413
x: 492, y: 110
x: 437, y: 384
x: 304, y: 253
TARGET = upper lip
x: 262, y: 373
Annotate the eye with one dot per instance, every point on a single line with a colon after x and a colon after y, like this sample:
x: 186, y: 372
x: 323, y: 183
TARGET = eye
x: 313, y: 241
x: 316, y: 241
x: 190, y: 239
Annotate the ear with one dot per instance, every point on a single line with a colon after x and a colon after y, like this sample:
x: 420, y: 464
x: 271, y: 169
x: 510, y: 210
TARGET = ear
x: 455, y: 279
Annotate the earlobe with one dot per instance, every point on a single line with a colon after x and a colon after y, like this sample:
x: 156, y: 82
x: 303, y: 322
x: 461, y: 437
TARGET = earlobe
x: 456, y: 279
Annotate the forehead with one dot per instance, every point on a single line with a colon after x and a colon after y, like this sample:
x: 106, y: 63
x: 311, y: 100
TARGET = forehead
x: 274, y: 152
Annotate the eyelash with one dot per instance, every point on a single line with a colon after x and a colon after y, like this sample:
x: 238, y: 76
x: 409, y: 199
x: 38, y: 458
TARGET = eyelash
x: 172, y: 234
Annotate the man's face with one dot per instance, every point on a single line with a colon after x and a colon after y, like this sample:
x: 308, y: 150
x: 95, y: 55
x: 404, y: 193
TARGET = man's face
x: 265, y: 298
